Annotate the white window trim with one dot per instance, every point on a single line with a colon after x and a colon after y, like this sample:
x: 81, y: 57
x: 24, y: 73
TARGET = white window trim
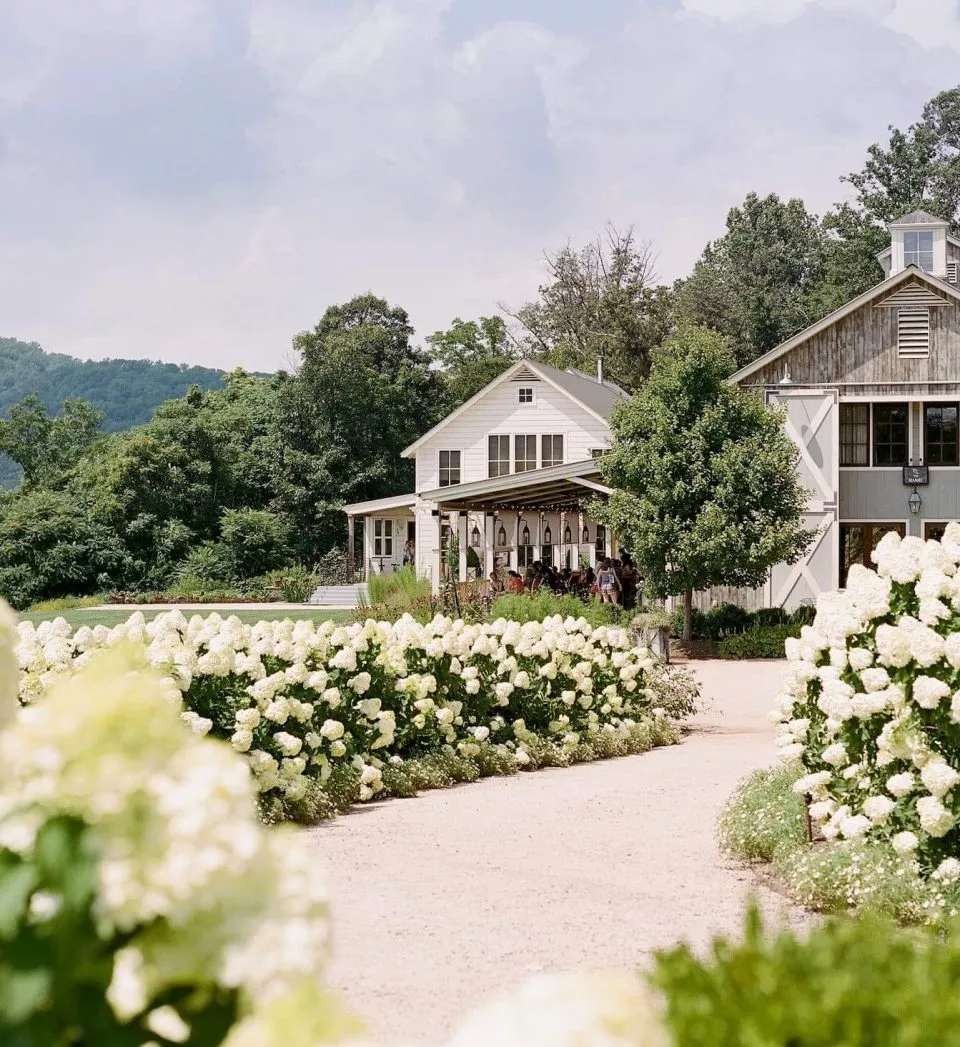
x: 533, y: 396
x: 383, y: 538
x: 458, y: 450
x: 563, y: 456
x: 536, y: 453
x: 509, y: 440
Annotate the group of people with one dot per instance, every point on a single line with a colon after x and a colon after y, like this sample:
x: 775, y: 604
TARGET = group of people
x: 614, y: 581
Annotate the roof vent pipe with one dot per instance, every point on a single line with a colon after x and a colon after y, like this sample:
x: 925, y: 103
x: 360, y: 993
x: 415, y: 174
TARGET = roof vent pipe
x: 600, y: 368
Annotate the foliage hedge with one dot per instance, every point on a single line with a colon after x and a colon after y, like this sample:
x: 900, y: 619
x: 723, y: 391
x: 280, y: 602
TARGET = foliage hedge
x: 847, y: 983
x: 758, y: 643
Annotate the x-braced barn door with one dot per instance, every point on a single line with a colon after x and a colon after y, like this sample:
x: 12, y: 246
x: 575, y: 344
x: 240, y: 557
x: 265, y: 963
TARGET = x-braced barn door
x: 812, y: 420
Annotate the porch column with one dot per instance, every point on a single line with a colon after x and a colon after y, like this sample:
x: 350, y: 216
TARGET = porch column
x: 463, y: 521
x: 516, y: 544
x: 351, y: 566
x: 438, y: 555
x: 488, y: 540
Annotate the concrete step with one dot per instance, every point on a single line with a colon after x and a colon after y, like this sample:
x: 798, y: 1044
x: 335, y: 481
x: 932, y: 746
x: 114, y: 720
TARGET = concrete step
x: 338, y: 595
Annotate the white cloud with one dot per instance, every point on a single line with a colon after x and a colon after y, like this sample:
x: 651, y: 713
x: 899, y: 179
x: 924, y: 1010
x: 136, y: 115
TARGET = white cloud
x: 931, y: 23
x: 390, y: 155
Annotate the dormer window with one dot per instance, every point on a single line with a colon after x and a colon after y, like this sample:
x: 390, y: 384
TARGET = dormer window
x: 918, y: 250
x: 526, y: 395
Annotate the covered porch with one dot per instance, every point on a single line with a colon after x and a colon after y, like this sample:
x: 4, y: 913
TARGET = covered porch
x: 388, y: 535
x: 510, y: 522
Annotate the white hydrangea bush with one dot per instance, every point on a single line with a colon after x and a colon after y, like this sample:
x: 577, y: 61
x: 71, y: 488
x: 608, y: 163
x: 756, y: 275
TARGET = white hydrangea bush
x: 871, y: 704
x: 301, y: 698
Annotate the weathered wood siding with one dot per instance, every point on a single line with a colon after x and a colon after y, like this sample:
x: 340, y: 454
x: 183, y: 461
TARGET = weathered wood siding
x: 859, y: 354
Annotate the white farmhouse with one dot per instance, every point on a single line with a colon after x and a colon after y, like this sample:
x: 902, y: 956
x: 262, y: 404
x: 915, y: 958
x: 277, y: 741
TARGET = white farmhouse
x: 506, y: 476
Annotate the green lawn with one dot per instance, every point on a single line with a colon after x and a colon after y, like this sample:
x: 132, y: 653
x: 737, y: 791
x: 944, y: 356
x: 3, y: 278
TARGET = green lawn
x: 91, y: 616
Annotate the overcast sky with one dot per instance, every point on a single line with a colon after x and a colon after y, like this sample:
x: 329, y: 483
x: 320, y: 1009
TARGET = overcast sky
x: 196, y: 180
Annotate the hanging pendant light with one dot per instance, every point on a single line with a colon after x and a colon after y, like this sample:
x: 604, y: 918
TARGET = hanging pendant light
x: 547, y: 535
x: 475, y: 537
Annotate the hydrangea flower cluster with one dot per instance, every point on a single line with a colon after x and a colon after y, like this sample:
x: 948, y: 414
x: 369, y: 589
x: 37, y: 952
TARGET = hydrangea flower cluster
x: 871, y: 703
x: 189, y: 889
x: 300, y: 698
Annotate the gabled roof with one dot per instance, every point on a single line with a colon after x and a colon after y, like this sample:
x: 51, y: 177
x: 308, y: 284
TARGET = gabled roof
x: 880, y: 290
x: 596, y: 398
x: 918, y: 218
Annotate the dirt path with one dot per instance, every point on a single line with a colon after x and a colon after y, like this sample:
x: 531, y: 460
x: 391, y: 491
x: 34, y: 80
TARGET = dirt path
x: 440, y: 900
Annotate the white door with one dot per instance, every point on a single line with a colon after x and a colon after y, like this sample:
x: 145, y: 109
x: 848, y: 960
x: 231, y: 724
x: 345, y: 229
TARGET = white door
x: 812, y: 423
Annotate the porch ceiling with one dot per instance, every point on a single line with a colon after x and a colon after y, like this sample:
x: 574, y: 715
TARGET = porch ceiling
x: 565, y: 488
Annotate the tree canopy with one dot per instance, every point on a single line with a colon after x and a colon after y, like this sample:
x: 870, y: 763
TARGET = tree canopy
x: 599, y: 301
x: 705, y: 486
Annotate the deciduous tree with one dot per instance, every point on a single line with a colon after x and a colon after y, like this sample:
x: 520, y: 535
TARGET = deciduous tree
x: 600, y: 301
x: 706, y: 490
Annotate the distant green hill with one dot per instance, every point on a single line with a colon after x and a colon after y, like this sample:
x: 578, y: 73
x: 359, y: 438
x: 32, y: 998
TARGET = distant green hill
x: 127, y: 391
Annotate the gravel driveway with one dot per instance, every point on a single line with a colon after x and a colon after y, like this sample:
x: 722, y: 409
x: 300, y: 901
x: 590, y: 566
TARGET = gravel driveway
x: 440, y: 900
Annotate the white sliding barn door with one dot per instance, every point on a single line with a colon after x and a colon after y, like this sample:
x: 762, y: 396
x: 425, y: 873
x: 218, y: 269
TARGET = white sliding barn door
x: 812, y: 423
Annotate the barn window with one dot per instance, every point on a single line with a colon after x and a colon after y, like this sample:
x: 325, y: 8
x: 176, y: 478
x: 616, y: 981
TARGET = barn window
x: 918, y: 250
x: 449, y: 468
x: 913, y: 333
x: 889, y: 434
x: 940, y: 434
x: 526, y: 395
x: 854, y: 434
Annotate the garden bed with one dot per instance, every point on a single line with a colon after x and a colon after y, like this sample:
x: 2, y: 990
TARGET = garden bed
x: 329, y: 715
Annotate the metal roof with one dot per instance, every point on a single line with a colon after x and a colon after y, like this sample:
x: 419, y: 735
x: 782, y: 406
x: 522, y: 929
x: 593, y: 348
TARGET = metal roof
x: 397, y: 501
x: 600, y: 397
x: 919, y: 218
x: 568, y: 486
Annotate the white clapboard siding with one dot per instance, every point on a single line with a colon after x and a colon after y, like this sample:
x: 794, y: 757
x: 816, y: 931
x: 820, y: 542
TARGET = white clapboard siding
x: 500, y: 412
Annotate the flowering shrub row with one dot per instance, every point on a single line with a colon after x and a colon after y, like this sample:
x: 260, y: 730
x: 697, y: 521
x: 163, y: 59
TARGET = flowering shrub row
x: 302, y: 699
x: 871, y: 705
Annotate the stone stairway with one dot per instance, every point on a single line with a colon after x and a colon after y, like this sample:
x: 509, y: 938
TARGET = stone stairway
x: 339, y: 595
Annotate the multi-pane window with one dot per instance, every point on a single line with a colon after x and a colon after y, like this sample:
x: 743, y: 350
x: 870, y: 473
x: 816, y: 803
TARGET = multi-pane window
x: 854, y: 434
x: 857, y: 542
x: 449, y: 468
x: 526, y: 395
x: 498, y: 456
x: 940, y: 434
x: 889, y: 434
x: 525, y: 453
x: 918, y: 250
x: 383, y: 537
x: 552, y: 451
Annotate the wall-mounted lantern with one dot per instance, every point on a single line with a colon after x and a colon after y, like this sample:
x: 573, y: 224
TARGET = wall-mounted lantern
x: 526, y: 535
x: 475, y: 537
x: 914, y: 501
x: 567, y: 535
x: 586, y: 535
x: 502, y: 536
x: 547, y: 535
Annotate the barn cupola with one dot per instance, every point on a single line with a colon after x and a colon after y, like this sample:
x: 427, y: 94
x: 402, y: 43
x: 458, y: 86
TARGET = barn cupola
x: 918, y: 238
